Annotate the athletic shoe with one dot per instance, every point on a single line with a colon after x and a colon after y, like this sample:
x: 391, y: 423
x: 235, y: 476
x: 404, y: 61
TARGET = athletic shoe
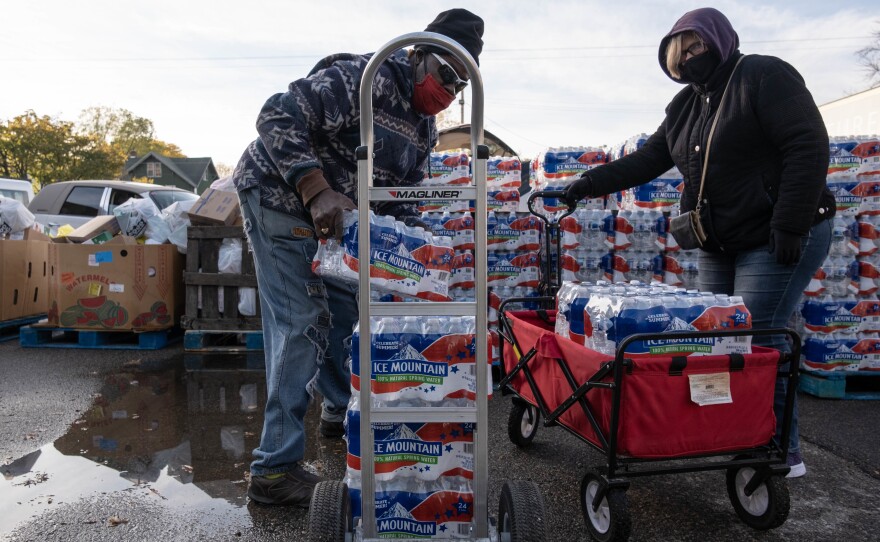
x: 292, y: 488
x: 796, y: 462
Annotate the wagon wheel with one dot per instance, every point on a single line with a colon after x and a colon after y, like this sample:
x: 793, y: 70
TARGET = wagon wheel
x: 329, y: 513
x: 611, y: 521
x: 521, y: 512
x: 767, y: 507
x: 522, y: 425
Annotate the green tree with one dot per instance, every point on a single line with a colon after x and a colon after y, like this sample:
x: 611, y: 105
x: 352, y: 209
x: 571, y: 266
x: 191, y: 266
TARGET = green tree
x: 125, y: 132
x: 46, y: 150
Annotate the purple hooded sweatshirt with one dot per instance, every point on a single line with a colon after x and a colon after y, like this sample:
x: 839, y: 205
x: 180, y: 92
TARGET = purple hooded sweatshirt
x: 712, y: 26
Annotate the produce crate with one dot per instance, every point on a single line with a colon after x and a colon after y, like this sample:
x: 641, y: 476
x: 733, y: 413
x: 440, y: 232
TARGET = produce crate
x: 202, y: 255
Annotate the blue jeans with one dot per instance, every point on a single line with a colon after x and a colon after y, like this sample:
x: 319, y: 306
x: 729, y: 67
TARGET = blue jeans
x: 307, y: 327
x: 771, y: 292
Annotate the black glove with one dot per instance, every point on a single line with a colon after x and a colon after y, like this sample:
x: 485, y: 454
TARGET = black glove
x: 787, y: 247
x: 579, y: 189
x: 415, y: 222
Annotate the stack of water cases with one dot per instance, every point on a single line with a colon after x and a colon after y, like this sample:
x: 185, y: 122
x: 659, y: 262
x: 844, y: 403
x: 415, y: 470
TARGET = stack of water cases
x: 584, y: 251
x: 840, y: 310
x: 620, y: 237
x: 513, y: 238
x: 423, y: 471
x: 599, y: 315
x: 406, y: 262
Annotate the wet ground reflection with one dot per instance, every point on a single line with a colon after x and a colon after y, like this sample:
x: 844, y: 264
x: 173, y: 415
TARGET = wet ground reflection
x: 182, y: 434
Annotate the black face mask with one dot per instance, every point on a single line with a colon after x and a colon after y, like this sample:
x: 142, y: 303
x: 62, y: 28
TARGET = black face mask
x: 699, y: 69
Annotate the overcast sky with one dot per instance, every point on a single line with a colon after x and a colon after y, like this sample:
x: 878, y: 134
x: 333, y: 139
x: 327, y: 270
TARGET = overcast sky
x: 556, y: 73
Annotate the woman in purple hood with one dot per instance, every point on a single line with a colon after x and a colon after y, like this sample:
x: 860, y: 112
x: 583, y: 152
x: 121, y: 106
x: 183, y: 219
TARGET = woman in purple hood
x: 764, y: 203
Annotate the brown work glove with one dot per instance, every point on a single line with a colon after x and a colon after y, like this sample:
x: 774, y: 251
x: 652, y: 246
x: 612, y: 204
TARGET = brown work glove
x: 326, y: 209
x: 325, y: 204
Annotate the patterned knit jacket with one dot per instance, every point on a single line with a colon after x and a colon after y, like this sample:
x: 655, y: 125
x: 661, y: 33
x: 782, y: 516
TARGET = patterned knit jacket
x: 316, y: 124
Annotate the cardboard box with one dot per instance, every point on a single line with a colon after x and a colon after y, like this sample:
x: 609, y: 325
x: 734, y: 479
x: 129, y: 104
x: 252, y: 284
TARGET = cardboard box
x: 115, y: 286
x: 215, y: 208
x: 34, y: 234
x: 122, y: 240
x: 37, y: 301
x: 13, y: 279
x: 24, y: 278
x: 104, y: 224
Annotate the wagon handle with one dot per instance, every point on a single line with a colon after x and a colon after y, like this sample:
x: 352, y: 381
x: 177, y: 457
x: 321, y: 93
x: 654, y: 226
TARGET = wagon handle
x: 558, y: 194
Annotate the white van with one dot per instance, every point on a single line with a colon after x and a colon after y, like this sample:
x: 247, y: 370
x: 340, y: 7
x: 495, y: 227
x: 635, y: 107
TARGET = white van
x: 22, y: 191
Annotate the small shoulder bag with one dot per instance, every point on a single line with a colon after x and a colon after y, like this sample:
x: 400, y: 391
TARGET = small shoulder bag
x: 687, y: 228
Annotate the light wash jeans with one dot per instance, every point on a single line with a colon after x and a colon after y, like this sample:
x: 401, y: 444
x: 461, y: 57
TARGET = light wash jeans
x: 307, y: 327
x: 771, y: 293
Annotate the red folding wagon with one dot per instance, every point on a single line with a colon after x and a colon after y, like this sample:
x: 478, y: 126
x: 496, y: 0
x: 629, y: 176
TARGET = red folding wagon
x: 655, y: 414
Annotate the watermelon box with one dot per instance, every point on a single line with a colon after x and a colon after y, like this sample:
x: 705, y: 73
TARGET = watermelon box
x: 115, y: 287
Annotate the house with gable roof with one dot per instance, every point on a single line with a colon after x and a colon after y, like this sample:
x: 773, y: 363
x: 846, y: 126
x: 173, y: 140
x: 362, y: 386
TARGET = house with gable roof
x: 192, y: 174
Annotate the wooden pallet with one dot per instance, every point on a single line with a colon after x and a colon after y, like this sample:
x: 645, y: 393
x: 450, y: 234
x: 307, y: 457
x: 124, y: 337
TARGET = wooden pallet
x: 863, y: 385
x: 9, y: 329
x: 55, y: 337
x: 222, y: 341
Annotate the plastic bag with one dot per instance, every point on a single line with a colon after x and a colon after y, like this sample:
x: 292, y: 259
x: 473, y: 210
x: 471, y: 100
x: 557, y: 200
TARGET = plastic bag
x: 134, y: 217
x: 229, y: 261
x: 178, y: 223
x: 14, y: 217
x: 224, y: 183
x: 229, y: 258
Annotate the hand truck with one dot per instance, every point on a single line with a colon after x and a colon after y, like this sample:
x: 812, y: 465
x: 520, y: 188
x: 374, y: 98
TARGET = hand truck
x: 521, y: 513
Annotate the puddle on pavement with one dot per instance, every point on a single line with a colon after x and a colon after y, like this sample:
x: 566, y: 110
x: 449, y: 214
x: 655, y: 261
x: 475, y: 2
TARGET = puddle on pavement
x: 182, y: 435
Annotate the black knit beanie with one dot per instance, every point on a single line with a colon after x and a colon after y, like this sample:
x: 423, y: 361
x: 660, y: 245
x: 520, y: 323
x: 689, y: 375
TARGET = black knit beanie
x: 462, y: 26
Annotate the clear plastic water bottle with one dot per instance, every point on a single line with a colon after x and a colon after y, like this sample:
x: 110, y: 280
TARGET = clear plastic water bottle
x: 690, y: 268
x: 837, y: 282
x: 840, y: 237
x: 641, y: 230
x: 644, y: 271
x: 491, y: 224
x: 433, y: 327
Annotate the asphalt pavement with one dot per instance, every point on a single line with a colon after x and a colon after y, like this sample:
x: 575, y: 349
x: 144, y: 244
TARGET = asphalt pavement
x: 154, y: 445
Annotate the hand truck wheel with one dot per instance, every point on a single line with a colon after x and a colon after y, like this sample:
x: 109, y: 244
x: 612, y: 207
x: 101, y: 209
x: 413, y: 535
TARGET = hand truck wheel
x: 611, y: 521
x: 767, y: 507
x: 329, y: 513
x: 521, y: 512
x: 522, y: 425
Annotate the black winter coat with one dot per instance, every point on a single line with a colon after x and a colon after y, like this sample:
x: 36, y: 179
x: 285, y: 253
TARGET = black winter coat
x: 768, y: 161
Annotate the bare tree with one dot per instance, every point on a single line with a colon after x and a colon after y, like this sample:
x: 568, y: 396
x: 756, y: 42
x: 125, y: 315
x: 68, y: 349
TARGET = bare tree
x: 869, y: 57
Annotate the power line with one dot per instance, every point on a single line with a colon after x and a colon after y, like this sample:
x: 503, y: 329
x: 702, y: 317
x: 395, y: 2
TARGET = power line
x: 514, y: 133
x: 654, y: 46
x: 318, y: 55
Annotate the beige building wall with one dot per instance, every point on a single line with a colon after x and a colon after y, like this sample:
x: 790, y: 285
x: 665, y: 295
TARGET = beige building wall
x: 858, y: 114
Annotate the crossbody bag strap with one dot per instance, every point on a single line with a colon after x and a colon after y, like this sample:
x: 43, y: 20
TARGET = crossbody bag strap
x: 712, y: 132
